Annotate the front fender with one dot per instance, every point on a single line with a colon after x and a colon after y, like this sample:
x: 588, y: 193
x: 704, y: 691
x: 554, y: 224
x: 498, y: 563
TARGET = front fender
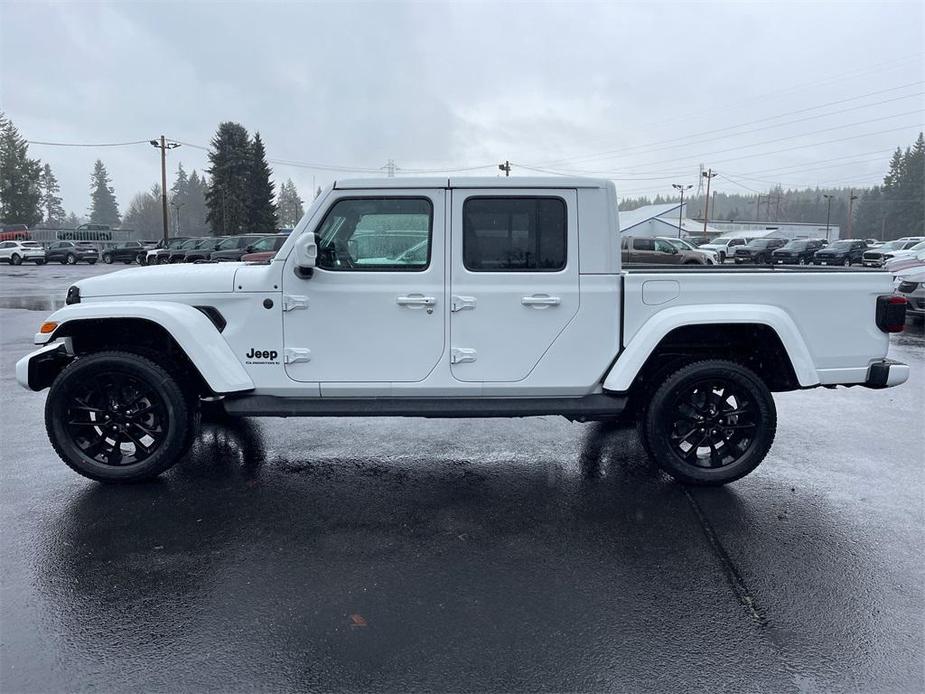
x: 621, y: 375
x: 193, y: 332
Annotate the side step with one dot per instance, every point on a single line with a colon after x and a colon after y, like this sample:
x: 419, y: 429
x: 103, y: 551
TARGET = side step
x: 594, y: 406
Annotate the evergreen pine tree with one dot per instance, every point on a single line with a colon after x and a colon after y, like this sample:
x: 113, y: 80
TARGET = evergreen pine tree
x: 230, y: 165
x: 103, y: 206
x: 52, y: 210
x: 912, y: 190
x: 195, y: 211
x: 20, y: 194
x: 289, y: 208
x: 261, y: 209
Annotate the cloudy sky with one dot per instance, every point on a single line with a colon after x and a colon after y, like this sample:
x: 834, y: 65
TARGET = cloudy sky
x: 805, y: 93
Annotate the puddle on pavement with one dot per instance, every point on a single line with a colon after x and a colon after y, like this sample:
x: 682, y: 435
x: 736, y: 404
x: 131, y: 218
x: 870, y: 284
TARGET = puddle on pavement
x: 36, y: 302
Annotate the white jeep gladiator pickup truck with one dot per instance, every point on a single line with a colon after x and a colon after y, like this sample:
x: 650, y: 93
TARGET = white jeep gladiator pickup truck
x: 460, y: 297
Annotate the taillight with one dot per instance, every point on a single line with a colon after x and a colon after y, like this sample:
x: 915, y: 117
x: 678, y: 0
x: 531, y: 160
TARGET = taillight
x: 891, y: 313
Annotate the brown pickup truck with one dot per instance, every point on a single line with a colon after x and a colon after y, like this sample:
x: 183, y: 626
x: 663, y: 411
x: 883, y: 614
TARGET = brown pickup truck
x: 648, y: 250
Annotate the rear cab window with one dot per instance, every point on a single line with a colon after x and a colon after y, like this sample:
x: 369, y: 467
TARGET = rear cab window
x: 515, y: 234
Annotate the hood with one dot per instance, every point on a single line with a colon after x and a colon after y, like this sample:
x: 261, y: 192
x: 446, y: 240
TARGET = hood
x: 162, y: 279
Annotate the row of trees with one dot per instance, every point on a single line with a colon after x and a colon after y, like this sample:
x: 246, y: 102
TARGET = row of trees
x: 237, y: 196
x: 888, y: 211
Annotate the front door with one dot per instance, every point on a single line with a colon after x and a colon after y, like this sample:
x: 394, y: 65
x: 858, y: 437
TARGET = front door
x: 373, y: 309
x: 514, y: 284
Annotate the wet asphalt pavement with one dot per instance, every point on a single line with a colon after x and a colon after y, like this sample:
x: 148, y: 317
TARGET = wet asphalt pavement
x: 472, y: 555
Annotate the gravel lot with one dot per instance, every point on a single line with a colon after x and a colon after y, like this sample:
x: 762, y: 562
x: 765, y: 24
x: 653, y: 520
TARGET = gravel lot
x: 407, y: 554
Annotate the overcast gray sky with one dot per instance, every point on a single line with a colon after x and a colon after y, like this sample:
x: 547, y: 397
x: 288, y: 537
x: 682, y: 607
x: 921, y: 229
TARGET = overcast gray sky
x: 639, y: 92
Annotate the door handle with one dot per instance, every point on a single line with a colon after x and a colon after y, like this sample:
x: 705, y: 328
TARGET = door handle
x: 540, y: 300
x: 416, y: 301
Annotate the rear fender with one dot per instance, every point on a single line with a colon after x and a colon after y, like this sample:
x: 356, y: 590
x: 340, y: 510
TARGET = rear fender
x: 634, y: 356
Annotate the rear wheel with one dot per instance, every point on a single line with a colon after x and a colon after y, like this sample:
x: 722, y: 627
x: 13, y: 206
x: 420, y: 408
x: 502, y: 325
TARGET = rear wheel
x: 847, y: 262
x: 107, y: 258
x: 118, y: 417
x: 710, y: 423
x: 15, y: 259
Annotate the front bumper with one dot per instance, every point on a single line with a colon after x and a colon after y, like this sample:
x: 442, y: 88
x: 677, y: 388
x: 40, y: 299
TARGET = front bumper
x: 38, y: 369
x: 886, y: 373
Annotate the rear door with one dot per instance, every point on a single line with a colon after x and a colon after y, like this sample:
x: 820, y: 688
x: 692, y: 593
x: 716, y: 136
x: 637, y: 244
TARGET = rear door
x: 514, y: 279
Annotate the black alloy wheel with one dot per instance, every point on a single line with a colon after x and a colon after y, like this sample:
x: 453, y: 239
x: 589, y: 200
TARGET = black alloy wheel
x: 710, y: 422
x: 117, y: 417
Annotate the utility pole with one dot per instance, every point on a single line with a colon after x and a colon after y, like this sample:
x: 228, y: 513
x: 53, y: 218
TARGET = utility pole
x: 777, y: 211
x: 851, y: 198
x: 163, y: 145
x: 708, y: 174
x: 505, y: 167
x: 758, y: 208
x: 389, y: 169
x: 828, y: 213
x: 682, y: 188
x: 713, y: 203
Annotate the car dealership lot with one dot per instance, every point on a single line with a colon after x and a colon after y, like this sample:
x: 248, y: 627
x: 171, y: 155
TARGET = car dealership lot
x: 339, y: 554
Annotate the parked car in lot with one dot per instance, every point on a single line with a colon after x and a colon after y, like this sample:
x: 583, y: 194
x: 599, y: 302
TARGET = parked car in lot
x: 845, y: 252
x: 204, y: 250
x: 649, y: 250
x: 724, y: 246
x: 758, y: 251
x: 877, y: 257
x: 485, y: 323
x: 906, y: 259
x: 19, y: 252
x: 709, y: 257
x: 161, y: 249
x: 912, y: 287
x: 233, y: 247
x: 265, y: 248
x: 178, y: 254
x: 72, y: 252
x: 796, y: 252
x: 126, y: 252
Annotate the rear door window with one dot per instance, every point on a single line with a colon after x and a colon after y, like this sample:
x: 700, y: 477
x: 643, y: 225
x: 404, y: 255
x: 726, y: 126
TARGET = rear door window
x: 514, y: 234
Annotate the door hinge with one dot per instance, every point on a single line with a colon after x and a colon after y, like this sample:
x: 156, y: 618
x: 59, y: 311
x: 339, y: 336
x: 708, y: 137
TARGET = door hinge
x: 461, y: 303
x: 293, y: 355
x: 292, y: 302
x: 458, y: 355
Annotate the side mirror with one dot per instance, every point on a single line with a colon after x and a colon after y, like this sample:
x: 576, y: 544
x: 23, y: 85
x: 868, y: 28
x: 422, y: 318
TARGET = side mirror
x: 306, y: 255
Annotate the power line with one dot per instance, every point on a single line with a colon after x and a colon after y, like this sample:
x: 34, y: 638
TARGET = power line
x: 645, y: 148
x: 87, y: 144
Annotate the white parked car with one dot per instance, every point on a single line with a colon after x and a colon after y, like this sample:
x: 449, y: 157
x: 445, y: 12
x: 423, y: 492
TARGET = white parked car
x: 19, y: 252
x: 882, y: 254
x: 724, y: 246
x: 516, y: 305
x: 911, y: 286
x: 902, y: 258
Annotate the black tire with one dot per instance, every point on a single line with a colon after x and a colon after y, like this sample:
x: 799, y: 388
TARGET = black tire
x: 40, y: 261
x: 140, y: 258
x: 847, y: 262
x: 91, y: 262
x: 70, y: 259
x: 690, y: 403
x: 15, y: 259
x: 101, y: 393
x: 107, y: 258
x: 722, y: 257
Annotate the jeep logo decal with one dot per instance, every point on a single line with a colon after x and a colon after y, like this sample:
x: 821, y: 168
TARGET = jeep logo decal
x: 262, y: 355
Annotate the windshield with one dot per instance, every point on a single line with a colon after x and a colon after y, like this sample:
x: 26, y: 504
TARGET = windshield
x: 761, y: 243
x: 681, y: 244
x: 720, y: 240
x: 892, y: 245
x: 841, y: 245
x: 920, y: 246
x: 795, y: 246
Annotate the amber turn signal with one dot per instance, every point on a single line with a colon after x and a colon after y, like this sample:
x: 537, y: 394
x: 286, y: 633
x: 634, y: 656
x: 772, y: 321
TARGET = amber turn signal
x: 48, y: 327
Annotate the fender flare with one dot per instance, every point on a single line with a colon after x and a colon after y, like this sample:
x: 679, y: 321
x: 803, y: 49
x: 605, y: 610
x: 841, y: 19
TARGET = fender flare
x: 189, y: 327
x: 650, y: 334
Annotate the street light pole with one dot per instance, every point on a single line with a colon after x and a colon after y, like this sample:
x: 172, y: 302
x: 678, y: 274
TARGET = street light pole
x: 828, y: 213
x: 682, y: 188
x: 163, y: 145
x: 851, y: 198
x: 708, y: 174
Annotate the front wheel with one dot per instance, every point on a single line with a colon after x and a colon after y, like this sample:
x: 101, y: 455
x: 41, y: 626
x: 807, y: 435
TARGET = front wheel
x: 71, y: 259
x: 15, y: 259
x: 710, y: 422
x: 847, y: 262
x: 118, y: 417
x: 722, y: 257
x: 107, y: 258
